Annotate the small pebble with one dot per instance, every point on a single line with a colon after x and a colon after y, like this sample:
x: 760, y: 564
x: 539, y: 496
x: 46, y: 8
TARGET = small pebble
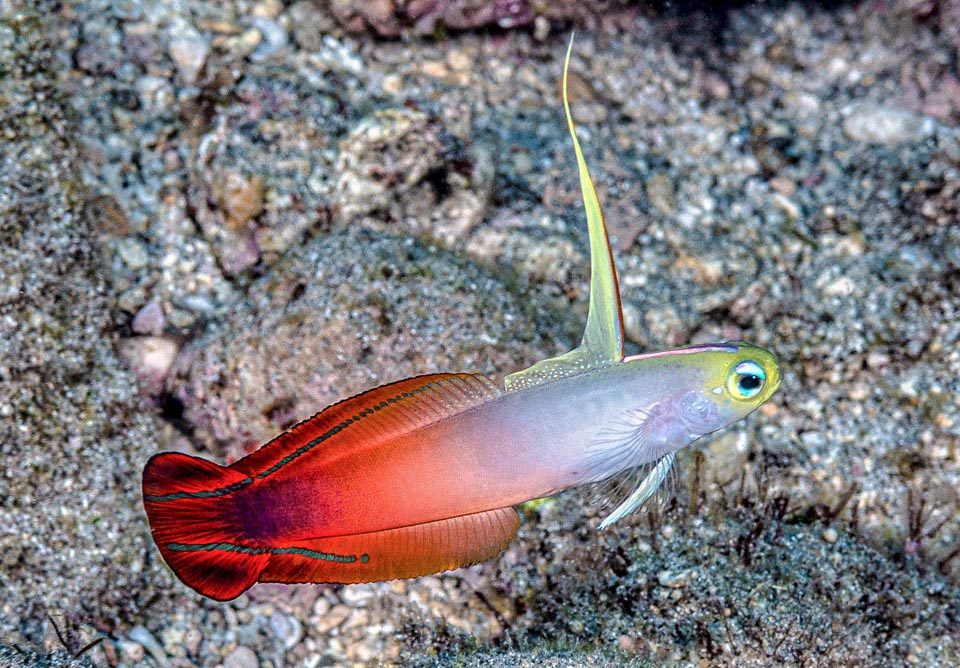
x: 631, y: 322
x: 459, y: 60
x: 245, y: 44
x: 435, y: 69
x: 309, y: 24
x: 357, y: 596
x: 192, y: 640
x: 240, y: 196
x: 131, y: 652
x: 541, y: 28
x: 321, y: 606
x: 362, y: 654
x: 842, y: 287
x: 273, y: 42
x: 181, y: 319
x: 859, y: 392
x: 788, y: 206
x: 132, y: 253
x: 267, y: 9
x: 334, y: 618
x: 189, y: 53
x: 715, y: 86
x: 150, y: 319
x: 241, y: 657
x: 673, y: 580
x: 783, y: 186
x: 830, y: 535
x: 877, y: 359
x: 131, y: 300
x: 172, y: 638
x: 150, y: 358
x: 287, y: 629
x: 392, y: 84
x: 873, y: 124
x: 660, y: 193
x: 141, y: 635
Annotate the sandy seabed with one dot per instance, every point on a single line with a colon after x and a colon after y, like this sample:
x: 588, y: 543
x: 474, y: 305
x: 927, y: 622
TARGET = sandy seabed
x: 219, y: 217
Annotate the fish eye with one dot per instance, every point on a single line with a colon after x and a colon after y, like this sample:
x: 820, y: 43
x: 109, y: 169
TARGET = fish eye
x: 746, y: 380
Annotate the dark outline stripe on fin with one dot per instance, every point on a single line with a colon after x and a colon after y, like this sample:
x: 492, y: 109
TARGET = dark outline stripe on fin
x: 299, y: 551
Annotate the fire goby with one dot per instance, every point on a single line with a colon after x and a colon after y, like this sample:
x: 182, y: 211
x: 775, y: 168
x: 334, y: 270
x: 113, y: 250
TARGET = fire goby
x: 421, y: 475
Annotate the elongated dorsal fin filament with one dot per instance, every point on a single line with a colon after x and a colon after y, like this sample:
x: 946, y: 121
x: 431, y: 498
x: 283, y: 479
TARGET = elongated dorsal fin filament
x: 602, y: 342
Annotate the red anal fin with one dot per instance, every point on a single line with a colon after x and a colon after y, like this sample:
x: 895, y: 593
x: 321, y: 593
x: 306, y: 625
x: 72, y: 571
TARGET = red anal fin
x: 370, y: 418
x: 406, y: 552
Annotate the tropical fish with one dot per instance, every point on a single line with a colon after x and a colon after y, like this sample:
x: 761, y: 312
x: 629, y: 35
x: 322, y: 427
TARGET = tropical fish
x: 422, y: 475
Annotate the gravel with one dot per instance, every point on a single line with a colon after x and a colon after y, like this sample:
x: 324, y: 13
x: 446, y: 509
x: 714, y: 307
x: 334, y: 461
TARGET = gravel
x: 218, y: 217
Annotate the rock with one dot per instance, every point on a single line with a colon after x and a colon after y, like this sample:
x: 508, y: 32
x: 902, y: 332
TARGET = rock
x: 142, y: 636
x: 332, y: 619
x: 357, y: 596
x: 150, y: 358
x: 132, y: 253
x: 876, y: 124
x: 384, y: 156
x: 660, y: 194
x: 321, y: 606
x: 241, y: 657
x: 287, y: 629
x: 274, y: 39
x: 726, y: 456
x: 240, y: 196
x: 131, y: 652
x: 192, y: 640
x: 403, y: 172
x: 150, y: 319
x: 673, y: 580
x: 189, y: 52
x: 181, y: 319
x: 460, y: 60
x: 172, y: 639
x: 309, y: 24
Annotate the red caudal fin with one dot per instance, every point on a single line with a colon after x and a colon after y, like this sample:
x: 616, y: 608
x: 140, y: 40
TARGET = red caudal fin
x: 191, y: 518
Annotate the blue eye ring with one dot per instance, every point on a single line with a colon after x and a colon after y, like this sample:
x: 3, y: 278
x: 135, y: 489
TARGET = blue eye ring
x: 746, y: 380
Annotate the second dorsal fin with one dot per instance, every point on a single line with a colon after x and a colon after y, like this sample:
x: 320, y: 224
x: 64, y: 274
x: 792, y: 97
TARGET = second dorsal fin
x: 368, y: 419
x: 602, y: 342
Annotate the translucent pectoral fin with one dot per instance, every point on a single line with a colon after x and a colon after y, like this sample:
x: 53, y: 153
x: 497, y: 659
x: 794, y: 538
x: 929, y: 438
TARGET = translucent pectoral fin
x: 644, y: 491
x: 602, y: 341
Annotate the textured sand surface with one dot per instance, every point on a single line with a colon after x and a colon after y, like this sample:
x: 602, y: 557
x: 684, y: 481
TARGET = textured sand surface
x: 218, y: 217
